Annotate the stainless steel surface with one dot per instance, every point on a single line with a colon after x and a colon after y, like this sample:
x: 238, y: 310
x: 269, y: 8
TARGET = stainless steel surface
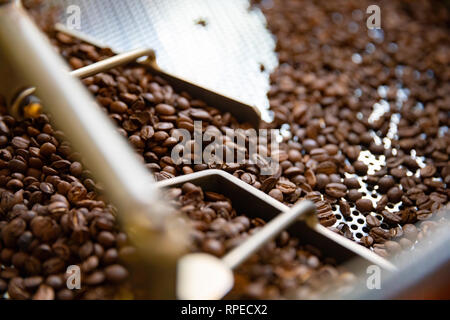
x: 206, y: 277
x: 26, y: 52
x: 255, y: 203
x: 243, y: 112
x: 201, y: 276
x: 190, y: 38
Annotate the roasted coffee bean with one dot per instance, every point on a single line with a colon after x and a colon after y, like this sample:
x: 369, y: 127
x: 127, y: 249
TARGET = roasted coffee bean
x: 379, y: 235
x: 20, y: 142
x: 276, y: 194
x: 410, y: 231
x: 9, y: 273
x: 165, y: 109
x: 381, y: 204
x: 65, y: 294
x: 90, y: 264
x: 16, y: 289
x: 106, y: 238
x: 44, y: 292
x: 116, y: 273
x: 352, y: 183
x: 12, y: 231
x: 321, y: 181
x: 372, y: 221
x: 17, y: 165
x: 55, y: 281
x: 367, y: 241
x: 110, y: 256
x: 52, y: 266
x: 118, y: 107
x: 3, y: 286
x: 385, y: 183
x: 344, y: 208
x: 428, y: 171
x: 399, y: 172
x: 47, y: 188
x: 45, y: 228
x: 353, y: 195
x: 392, y: 247
x: 336, y: 190
x: 95, y: 278
x: 360, y: 168
x: 395, y: 194
x: 213, y: 247
x: 345, y: 230
x: 390, y: 218
x: 327, y: 218
x: 405, y: 243
x: 327, y: 116
x: 286, y: 187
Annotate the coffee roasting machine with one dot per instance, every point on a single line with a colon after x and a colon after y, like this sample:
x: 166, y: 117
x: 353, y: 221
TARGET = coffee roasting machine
x: 28, y: 64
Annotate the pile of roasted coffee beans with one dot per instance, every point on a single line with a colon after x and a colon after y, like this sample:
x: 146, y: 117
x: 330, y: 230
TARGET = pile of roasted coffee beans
x: 51, y: 217
x: 282, y: 268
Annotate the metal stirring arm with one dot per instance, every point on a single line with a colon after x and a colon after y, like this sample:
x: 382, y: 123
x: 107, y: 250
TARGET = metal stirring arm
x: 305, y: 209
x: 27, y: 59
x: 203, y: 276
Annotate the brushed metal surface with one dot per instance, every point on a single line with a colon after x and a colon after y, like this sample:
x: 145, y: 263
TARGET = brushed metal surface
x: 220, y: 45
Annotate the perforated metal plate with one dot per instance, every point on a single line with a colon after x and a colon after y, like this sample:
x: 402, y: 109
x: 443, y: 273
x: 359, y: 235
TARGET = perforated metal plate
x: 221, y: 45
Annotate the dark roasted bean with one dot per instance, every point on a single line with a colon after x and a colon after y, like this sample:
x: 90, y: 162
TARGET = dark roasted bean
x: 364, y: 205
x: 372, y: 221
x: 390, y: 218
x: 116, y: 273
x: 336, y: 190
